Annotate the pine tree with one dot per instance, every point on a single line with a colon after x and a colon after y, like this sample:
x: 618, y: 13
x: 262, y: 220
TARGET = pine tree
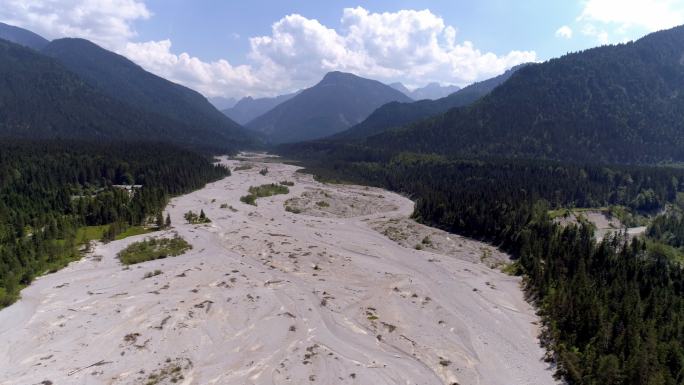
x: 168, y: 221
x: 160, y: 220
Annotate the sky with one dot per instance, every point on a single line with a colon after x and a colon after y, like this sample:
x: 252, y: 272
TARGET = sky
x: 268, y: 47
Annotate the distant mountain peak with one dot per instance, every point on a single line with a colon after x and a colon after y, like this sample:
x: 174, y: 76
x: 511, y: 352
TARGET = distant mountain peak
x: 337, y: 102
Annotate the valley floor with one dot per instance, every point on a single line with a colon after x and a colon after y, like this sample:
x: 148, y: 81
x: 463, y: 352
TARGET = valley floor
x: 338, y: 293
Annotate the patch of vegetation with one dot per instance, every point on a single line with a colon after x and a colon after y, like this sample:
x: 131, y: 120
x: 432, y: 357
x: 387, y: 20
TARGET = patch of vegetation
x: 172, y: 372
x: 512, y: 268
x: 195, y: 219
x: 265, y: 190
x: 243, y: 167
x: 248, y: 199
x: 153, y: 248
x: 133, y: 231
x: 322, y: 204
x: 151, y: 274
x: 287, y: 183
x: 263, y: 171
x: 292, y: 210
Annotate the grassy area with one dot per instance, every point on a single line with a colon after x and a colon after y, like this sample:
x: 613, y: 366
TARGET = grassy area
x: 153, y: 248
x: 132, y: 231
x: 90, y: 233
x: 265, y: 190
x: 564, y: 212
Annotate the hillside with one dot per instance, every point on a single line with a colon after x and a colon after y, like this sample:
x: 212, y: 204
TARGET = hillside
x: 22, y: 37
x: 42, y: 99
x: 248, y: 108
x: 337, y: 102
x: 621, y: 103
x: 397, y: 114
x: 123, y: 80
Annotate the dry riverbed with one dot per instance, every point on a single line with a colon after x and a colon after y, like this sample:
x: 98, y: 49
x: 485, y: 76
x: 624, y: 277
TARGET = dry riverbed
x: 349, y: 291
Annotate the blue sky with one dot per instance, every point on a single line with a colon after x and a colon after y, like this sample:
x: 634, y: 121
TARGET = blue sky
x: 268, y: 47
x: 210, y: 30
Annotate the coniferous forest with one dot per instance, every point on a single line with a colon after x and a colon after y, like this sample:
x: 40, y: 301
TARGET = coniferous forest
x: 613, y: 311
x: 52, y: 192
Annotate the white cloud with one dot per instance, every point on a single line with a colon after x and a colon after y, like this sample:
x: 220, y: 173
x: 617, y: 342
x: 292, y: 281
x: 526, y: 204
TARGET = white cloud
x: 564, y: 32
x: 651, y: 15
x: 600, y: 35
x: 106, y: 22
x: 415, y: 47
x: 613, y: 21
x: 217, y: 78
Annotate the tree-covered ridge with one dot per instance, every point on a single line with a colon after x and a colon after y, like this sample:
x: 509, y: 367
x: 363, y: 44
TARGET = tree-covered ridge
x: 124, y: 81
x: 397, y: 114
x: 619, y: 104
x: 22, y: 36
x: 613, y: 312
x: 41, y: 99
x: 50, y: 190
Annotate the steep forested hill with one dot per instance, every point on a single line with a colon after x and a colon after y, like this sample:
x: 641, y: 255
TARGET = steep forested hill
x: 622, y: 103
x: 123, y: 80
x: 337, y: 102
x: 40, y: 98
x: 396, y: 114
x: 22, y: 37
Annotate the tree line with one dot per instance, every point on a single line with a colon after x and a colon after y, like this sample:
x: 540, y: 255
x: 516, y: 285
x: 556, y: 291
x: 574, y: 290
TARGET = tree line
x: 613, y: 312
x: 51, y: 190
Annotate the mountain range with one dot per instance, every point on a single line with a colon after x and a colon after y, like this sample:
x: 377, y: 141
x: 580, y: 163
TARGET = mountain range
x: 617, y: 104
x: 612, y: 104
x: 72, y: 88
x: 337, y: 102
x: 396, y: 114
x: 431, y: 91
x: 221, y: 103
x: 248, y: 108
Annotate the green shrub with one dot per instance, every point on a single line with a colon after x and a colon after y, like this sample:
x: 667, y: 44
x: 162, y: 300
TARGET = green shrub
x: 293, y: 210
x: 248, y: 199
x: 194, y: 219
x: 153, y: 248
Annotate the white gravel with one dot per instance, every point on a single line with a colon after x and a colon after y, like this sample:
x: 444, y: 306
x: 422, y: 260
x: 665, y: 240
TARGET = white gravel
x: 271, y: 297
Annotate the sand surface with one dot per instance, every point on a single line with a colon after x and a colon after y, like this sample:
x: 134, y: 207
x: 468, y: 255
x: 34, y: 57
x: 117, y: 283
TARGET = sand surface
x: 335, y: 294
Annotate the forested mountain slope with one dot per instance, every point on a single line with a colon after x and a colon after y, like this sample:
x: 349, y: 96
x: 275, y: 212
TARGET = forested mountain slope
x: 337, y: 102
x: 22, y: 37
x: 125, y: 81
x: 396, y: 114
x: 622, y: 103
x: 41, y: 99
